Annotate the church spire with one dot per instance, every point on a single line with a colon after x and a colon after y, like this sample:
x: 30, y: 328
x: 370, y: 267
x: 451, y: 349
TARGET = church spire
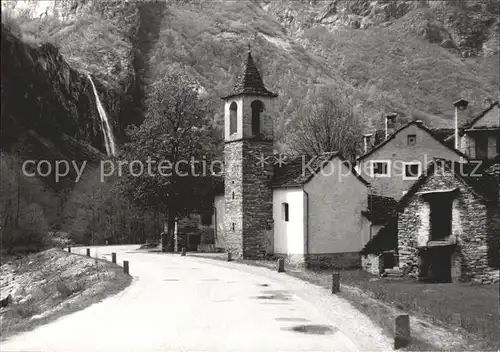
x: 250, y: 81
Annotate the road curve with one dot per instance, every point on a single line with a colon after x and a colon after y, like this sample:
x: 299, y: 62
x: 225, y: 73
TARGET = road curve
x: 192, y: 304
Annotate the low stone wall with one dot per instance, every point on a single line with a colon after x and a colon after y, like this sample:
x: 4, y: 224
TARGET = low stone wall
x: 348, y: 260
x: 206, y: 248
x: 487, y: 277
x: 372, y: 264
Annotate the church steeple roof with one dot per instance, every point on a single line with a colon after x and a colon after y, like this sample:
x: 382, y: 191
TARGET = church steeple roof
x: 250, y: 81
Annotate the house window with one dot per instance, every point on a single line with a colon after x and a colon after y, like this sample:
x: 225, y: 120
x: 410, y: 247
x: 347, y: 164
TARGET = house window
x: 481, y: 148
x: 412, y: 171
x: 257, y: 107
x: 285, y: 211
x: 493, y: 146
x: 233, y: 118
x: 412, y: 139
x: 380, y: 168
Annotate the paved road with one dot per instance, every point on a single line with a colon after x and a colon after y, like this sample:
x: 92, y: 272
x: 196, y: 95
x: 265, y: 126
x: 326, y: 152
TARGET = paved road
x: 192, y: 304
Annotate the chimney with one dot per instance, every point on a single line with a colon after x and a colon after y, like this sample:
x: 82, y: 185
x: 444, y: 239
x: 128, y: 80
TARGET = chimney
x: 460, y: 113
x: 389, y: 124
x: 367, y: 139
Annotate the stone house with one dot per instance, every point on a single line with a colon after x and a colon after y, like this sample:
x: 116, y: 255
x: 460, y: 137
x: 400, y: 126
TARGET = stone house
x: 394, y: 165
x: 308, y: 210
x: 447, y: 228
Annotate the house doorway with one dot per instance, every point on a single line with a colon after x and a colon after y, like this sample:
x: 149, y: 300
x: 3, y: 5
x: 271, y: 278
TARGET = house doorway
x: 436, y: 264
x: 440, y: 265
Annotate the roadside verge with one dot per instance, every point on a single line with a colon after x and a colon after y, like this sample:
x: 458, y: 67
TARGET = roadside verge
x: 47, y: 285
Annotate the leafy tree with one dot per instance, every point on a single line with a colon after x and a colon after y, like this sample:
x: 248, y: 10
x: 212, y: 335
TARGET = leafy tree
x: 328, y: 124
x: 179, y: 134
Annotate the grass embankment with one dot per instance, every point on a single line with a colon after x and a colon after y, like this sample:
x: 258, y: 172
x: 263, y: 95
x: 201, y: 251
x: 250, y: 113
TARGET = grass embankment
x: 53, y: 283
x: 468, y: 312
x: 457, y: 316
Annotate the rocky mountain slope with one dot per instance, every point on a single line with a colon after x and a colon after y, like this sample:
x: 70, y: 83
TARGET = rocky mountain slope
x: 410, y: 57
x: 48, y: 108
x: 414, y: 58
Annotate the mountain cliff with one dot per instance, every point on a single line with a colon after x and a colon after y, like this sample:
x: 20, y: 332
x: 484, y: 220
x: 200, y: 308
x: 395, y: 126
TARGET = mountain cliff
x: 48, y: 108
x: 410, y: 57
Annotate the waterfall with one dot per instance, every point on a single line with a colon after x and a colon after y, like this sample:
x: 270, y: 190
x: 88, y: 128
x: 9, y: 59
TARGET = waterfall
x: 109, y: 140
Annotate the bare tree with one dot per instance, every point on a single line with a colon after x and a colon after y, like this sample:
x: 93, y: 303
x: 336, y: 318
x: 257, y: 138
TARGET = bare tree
x: 328, y: 124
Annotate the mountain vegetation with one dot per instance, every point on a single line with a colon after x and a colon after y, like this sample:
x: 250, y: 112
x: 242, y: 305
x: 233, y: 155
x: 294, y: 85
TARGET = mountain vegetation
x: 410, y: 57
x: 414, y: 58
x: 329, y: 126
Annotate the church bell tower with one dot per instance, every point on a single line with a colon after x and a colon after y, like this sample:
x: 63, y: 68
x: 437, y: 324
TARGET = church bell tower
x: 249, y: 139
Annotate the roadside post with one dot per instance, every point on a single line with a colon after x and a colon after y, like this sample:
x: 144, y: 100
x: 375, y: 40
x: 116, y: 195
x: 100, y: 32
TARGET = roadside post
x: 281, y: 265
x: 113, y: 257
x: 402, y: 331
x: 335, y: 282
x: 88, y: 252
x: 125, y: 267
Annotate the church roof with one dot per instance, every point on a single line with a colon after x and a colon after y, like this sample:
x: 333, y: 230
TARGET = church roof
x: 250, y: 81
x: 300, y: 170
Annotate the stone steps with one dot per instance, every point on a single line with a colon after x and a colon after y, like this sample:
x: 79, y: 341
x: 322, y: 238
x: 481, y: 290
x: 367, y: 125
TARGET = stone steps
x: 394, y: 272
